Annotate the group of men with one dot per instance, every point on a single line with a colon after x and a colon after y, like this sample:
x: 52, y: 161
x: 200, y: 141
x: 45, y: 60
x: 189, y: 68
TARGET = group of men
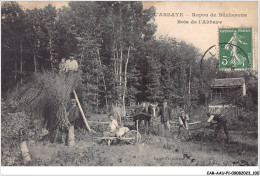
x: 69, y: 65
x: 165, y: 115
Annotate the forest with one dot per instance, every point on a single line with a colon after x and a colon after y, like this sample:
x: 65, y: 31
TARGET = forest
x: 121, y: 61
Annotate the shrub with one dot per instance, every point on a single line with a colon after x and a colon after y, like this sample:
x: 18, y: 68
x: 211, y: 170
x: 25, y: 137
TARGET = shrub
x: 17, y: 127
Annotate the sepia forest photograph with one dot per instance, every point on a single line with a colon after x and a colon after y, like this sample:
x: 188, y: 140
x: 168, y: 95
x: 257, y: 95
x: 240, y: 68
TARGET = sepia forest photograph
x: 95, y: 83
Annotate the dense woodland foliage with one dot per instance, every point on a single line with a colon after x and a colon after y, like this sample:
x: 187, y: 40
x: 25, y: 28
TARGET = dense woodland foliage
x: 120, y: 59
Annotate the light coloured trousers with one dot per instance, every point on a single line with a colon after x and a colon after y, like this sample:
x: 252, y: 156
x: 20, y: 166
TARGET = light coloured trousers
x: 166, y: 127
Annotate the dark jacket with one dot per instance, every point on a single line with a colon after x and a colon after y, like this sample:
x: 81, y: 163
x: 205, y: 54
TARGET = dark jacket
x: 165, y: 113
x: 219, y: 118
x: 73, y: 114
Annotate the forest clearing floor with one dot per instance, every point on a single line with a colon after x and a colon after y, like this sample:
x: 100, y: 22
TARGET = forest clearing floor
x: 153, y: 150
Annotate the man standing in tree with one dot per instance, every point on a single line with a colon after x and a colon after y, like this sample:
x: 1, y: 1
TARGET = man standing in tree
x: 62, y: 66
x: 221, y: 121
x: 165, y: 113
x: 71, y: 64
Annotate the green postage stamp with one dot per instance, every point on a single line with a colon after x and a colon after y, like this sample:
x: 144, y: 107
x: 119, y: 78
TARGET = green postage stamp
x: 235, y: 48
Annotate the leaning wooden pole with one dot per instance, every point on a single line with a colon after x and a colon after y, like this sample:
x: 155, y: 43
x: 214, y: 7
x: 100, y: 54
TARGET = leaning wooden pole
x: 81, y: 111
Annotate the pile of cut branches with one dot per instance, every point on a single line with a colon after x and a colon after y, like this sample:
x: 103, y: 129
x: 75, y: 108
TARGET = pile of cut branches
x: 46, y: 96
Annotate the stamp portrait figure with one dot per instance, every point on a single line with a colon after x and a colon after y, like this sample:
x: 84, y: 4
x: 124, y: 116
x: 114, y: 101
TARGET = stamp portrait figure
x: 237, y: 59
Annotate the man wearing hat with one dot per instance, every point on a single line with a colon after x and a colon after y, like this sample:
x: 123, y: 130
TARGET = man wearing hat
x: 72, y: 114
x: 165, y: 113
x: 71, y: 64
x: 220, y: 121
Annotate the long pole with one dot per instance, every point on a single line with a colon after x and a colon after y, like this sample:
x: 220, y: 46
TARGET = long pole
x: 81, y: 111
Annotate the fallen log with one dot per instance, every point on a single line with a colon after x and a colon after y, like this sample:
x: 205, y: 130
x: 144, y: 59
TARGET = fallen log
x: 244, y: 132
x: 98, y: 122
x: 191, y: 123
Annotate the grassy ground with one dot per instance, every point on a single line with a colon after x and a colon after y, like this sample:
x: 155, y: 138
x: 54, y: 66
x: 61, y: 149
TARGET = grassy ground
x: 154, y: 150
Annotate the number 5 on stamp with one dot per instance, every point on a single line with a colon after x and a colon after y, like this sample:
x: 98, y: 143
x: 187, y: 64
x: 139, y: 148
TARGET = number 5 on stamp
x: 235, y: 48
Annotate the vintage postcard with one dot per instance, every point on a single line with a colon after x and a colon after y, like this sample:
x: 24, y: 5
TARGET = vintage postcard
x: 139, y: 83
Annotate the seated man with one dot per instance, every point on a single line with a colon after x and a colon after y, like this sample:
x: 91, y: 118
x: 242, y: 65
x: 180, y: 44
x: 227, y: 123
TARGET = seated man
x: 184, y: 118
x: 113, y: 127
x: 221, y: 121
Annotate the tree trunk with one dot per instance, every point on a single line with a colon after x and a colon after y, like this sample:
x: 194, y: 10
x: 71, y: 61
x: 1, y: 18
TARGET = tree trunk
x: 103, y: 78
x: 206, y: 101
x: 81, y: 56
x: 35, y: 62
x: 114, y: 54
x: 116, y: 74
x: 21, y: 60
x: 97, y: 103
x: 51, y: 54
x: 125, y: 81
x: 190, y: 92
x: 120, y: 75
x: 189, y: 81
x: 15, y: 69
x: 34, y: 57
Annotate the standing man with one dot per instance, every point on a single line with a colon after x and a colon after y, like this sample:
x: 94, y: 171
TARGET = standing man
x: 71, y: 64
x: 142, y: 109
x: 165, y: 113
x: 73, y: 114
x: 221, y: 121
